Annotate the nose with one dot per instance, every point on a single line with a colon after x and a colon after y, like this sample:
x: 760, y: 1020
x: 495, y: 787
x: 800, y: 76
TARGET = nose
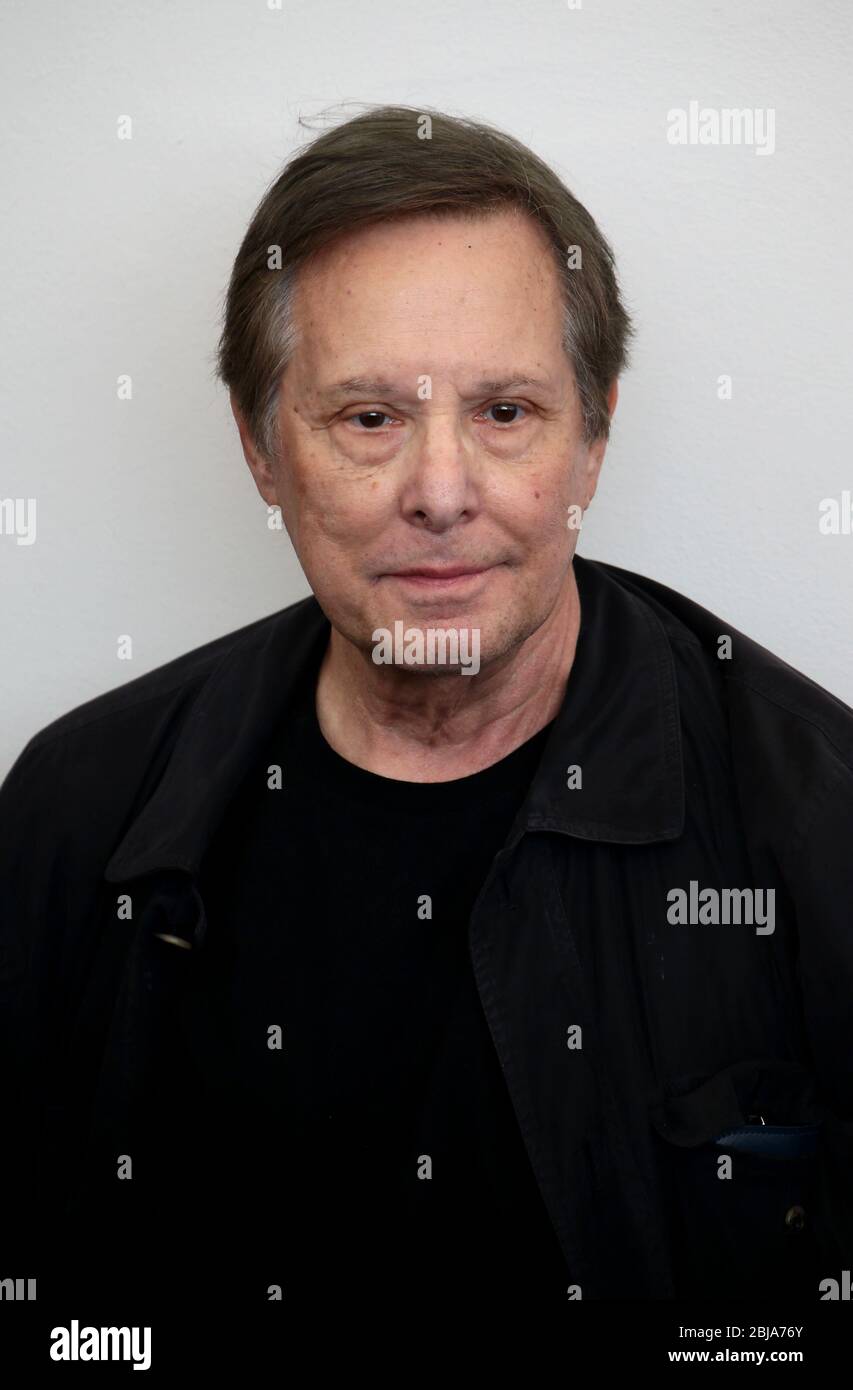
x: 438, y: 488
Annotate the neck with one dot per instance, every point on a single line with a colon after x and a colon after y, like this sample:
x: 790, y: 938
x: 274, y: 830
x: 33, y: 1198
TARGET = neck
x: 426, y: 728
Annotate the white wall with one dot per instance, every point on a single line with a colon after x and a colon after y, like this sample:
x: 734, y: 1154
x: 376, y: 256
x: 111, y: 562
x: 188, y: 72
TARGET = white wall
x: 116, y: 255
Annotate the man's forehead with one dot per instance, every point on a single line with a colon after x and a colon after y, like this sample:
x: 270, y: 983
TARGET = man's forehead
x: 375, y: 263
x: 434, y: 228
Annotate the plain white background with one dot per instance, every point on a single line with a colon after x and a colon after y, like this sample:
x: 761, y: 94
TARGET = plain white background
x: 116, y: 255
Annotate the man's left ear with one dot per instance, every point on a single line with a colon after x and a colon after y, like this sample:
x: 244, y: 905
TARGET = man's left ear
x: 596, y: 451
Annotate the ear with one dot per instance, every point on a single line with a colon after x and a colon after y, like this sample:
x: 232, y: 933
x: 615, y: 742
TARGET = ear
x: 596, y: 451
x: 258, y: 464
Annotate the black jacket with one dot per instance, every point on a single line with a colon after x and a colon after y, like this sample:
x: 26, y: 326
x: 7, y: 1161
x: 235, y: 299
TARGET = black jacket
x: 698, y: 1040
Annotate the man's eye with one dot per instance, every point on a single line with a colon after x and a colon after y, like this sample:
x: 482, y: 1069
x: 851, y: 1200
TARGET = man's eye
x: 367, y: 420
x: 504, y: 406
x: 373, y: 417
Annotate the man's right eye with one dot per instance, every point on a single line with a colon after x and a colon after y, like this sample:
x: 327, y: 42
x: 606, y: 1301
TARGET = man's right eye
x: 375, y: 416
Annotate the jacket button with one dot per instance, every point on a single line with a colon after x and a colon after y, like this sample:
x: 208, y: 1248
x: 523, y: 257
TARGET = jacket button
x: 795, y: 1218
x: 174, y: 940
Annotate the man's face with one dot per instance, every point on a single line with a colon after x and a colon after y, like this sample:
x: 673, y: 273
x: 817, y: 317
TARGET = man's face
x: 436, y: 456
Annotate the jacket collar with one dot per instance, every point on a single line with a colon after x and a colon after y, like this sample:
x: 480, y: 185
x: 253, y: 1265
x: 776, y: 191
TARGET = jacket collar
x: 618, y: 724
x: 235, y: 711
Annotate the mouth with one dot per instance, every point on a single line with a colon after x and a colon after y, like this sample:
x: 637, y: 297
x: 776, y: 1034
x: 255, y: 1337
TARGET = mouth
x: 440, y: 577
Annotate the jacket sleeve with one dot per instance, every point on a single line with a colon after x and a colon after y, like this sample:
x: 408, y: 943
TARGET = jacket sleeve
x: 818, y: 870
x: 48, y: 916
x: 26, y: 876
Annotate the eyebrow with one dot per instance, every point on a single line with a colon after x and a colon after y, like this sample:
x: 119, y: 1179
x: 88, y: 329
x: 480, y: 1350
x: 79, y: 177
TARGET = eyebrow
x: 376, y: 387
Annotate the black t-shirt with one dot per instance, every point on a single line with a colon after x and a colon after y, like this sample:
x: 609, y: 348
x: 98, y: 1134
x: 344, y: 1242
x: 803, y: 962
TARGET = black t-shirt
x: 338, y: 910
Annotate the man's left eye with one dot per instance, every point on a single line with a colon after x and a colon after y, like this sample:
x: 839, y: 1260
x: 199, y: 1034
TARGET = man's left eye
x: 504, y: 406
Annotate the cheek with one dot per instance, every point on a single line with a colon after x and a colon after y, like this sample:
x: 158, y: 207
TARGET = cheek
x: 536, y: 513
x: 339, y: 514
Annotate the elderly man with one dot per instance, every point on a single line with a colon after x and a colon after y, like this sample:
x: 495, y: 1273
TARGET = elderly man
x: 480, y: 924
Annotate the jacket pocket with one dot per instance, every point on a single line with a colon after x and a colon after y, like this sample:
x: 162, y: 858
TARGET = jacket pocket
x: 740, y: 1163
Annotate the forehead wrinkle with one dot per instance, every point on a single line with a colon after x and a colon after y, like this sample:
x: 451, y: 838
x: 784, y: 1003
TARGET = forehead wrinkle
x: 382, y: 386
